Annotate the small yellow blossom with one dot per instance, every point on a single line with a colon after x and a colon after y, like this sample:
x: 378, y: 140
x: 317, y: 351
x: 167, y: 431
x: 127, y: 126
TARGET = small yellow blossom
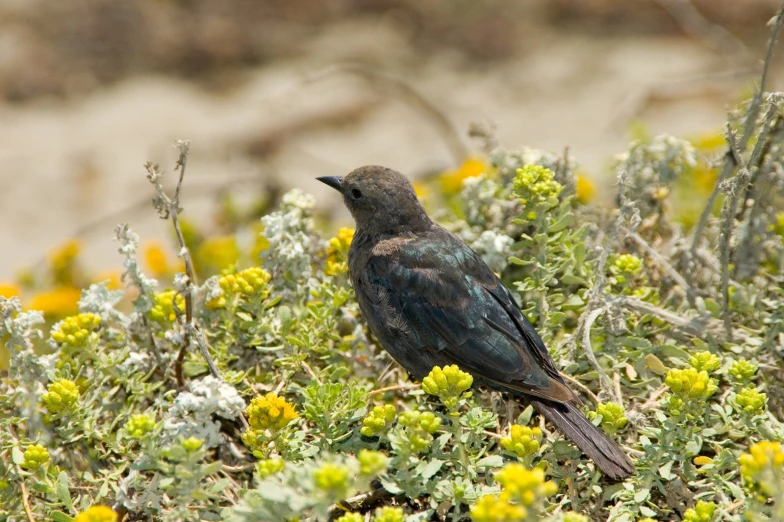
x: 333, y: 478
x: 35, y: 456
x: 690, y: 384
x: 584, y: 189
x: 248, y: 284
x: 525, y: 486
x: 351, y: 517
x: 192, y: 444
x: 705, y: 361
x: 8, y: 290
x: 702, y: 460
x: 778, y: 225
x: 372, y: 463
x: 97, y: 514
x: 628, y: 264
x: 420, y: 427
x: 76, y: 331
x: 162, y: 311
x: 497, y: 508
x: 389, y: 514
x: 267, y: 467
x: 571, y: 516
x: 534, y: 184
x: 522, y: 441
x: 59, y: 302
x: 157, y: 261
x: 337, y: 252
x: 218, y: 253
x: 270, y: 412
x: 763, y: 467
x: 62, y: 262
x: 112, y: 278
x: 378, y: 420
x: 421, y: 190
x: 613, y: 416
x: 448, y: 384
x: 452, y: 181
x: 139, y: 425
x: 61, y: 396
x: 702, y: 512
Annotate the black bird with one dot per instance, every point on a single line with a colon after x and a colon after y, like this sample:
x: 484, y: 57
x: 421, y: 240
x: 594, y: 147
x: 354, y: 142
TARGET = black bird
x: 431, y: 301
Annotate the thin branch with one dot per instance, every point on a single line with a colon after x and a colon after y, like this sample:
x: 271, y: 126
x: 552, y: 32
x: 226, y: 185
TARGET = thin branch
x: 748, y: 129
x: 604, y: 380
x: 582, y: 386
x: 405, y: 386
x: 662, y: 262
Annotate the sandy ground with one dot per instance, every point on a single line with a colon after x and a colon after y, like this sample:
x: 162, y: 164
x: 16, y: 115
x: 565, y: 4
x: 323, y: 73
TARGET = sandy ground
x: 65, y: 165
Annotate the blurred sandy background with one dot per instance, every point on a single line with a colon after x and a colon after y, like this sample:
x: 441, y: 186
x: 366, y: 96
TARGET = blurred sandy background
x: 273, y: 93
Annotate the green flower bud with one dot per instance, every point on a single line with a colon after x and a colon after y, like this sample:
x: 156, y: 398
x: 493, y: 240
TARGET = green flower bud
x: 372, y: 463
x: 389, y: 514
x: 351, y: 517
x: 690, y: 384
x: 191, y: 444
x: 534, y: 184
x: 333, y: 478
x: 628, y: 264
x: 61, y: 397
x: 378, y: 420
x: 139, y: 425
x: 742, y: 371
x: 613, y: 417
x: 267, y: 467
x: 705, y: 362
x: 751, y: 401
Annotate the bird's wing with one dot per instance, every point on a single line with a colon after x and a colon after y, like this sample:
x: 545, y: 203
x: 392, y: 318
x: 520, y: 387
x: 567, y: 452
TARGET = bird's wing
x: 450, y: 303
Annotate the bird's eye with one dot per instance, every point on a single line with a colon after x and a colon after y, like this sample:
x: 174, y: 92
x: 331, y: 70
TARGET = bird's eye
x: 356, y: 193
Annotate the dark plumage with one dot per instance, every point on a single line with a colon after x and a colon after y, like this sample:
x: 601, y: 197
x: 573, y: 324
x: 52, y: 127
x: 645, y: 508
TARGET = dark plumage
x: 431, y: 301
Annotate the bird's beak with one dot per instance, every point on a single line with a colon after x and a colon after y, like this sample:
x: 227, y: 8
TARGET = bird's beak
x: 332, y: 181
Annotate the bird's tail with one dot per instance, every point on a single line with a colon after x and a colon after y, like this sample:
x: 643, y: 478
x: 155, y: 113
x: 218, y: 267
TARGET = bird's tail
x: 591, y: 440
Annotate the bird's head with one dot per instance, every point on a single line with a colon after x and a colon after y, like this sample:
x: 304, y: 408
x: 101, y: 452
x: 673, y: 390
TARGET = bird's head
x: 382, y: 200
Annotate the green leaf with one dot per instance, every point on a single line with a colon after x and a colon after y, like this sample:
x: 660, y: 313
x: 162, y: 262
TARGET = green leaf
x: 525, y: 416
x: 431, y: 468
x: 63, y: 492
x: 17, y: 455
x: 493, y: 461
x: 665, y: 471
x: 565, y: 221
x: 642, y: 495
x: 59, y: 516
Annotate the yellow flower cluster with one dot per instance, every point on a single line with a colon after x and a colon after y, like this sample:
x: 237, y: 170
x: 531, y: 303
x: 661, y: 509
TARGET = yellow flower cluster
x: 192, y: 444
x: 690, y: 384
x: 8, y: 290
x: 378, y: 420
x: 534, y: 184
x: 34, y: 457
x: 245, y: 285
x: 351, y: 517
x: 267, y: 467
x: 751, y: 401
x: 97, y: 514
x: 613, y: 416
x: 448, y: 384
x: 59, y: 302
x: 61, y: 397
x: 139, y: 425
x: 571, y: 516
x: 628, y: 263
x: 337, y: 252
x: 372, y: 463
x: 523, y: 490
x: 522, y: 441
x: 420, y: 427
x: 763, y: 465
x: 157, y: 261
x: 452, y: 181
x: 75, y: 331
x: 389, y: 514
x: 742, y: 371
x: 584, y: 189
x: 332, y: 478
x: 270, y: 412
x: 218, y: 253
x: 702, y: 512
x: 162, y: 311
x: 62, y: 262
x: 705, y: 362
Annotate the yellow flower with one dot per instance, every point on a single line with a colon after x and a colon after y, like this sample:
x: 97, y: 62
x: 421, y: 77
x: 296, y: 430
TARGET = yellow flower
x: 157, y: 261
x: 34, y: 457
x: 244, y: 285
x: 337, y: 252
x: 702, y: 512
x: 389, y: 514
x: 9, y: 290
x: 584, y: 189
x: 62, y: 262
x: 139, y: 425
x: 448, y: 383
x: 191, y: 444
x: 690, y: 384
x: 59, y: 302
x: 751, y: 401
x: 61, y: 396
x: 497, y: 508
x: 267, y: 467
x: 270, y: 412
x: 218, y: 253
x: 97, y: 514
x: 421, y: 190
x: 162, y: 311
x: 112, y: 277
x: 534, y: 184
x: 613, y: 416
x: 351, y: 517
x: 763, y: 466
x: 378, y: 420
x: 452, y: 181
x: 371, y: 462
x: 525, y: 486
x: 332, y: 478
x: 76, y: 331
x: 705, y: 361
x: 522, y: 441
